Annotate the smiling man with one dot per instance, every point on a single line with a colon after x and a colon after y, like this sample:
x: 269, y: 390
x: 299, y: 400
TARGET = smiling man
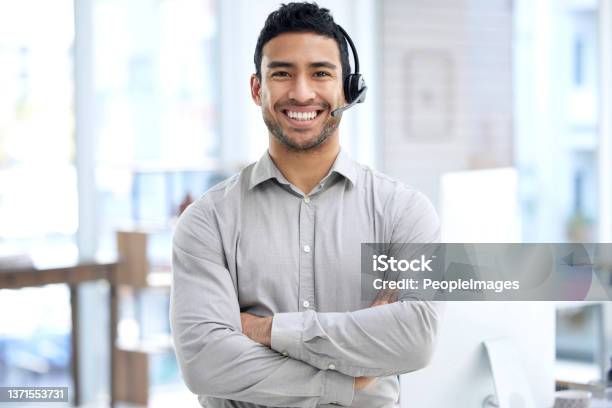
x: 266, y: 305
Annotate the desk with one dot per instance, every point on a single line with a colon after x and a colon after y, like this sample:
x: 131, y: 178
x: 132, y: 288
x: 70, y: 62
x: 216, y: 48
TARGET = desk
x: 72, y: 274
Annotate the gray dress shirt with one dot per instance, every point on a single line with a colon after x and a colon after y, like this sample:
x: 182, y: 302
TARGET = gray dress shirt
x: 255, y: 243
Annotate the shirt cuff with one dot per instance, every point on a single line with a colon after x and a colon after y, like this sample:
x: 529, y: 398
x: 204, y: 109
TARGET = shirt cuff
x: 286, y: 337
x: 339, y: 389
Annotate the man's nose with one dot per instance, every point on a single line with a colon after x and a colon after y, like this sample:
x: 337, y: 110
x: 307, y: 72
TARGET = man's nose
x: 302, y: 90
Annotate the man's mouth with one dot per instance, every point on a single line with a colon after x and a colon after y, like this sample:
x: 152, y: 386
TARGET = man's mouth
x: 302, y: 118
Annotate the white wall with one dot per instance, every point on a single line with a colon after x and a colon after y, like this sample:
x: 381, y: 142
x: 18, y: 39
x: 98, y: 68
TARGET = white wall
x: 473, y: 127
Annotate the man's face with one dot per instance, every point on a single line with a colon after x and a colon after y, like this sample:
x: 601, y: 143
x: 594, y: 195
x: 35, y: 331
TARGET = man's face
x: 301, y: 83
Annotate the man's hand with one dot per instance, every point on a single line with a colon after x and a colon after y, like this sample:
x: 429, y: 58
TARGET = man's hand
x: 257, y: 328
x: 363, y: 382
x: 384, y: 297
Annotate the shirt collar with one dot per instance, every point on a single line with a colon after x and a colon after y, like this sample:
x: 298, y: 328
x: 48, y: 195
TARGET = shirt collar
x: 345, y: 166
x: 265, y: 169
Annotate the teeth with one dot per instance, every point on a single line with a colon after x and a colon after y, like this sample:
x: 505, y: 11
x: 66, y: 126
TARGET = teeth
x: 302, y: 115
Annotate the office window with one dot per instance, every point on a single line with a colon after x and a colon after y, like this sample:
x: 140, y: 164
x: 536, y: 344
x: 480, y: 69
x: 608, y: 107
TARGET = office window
x: 155, y: 85
x: 35, y: 339
x: 154, y: 70
x: 558, y: 88
x: 38, y: 196
x: 38, y: 190
x: 556, y: 119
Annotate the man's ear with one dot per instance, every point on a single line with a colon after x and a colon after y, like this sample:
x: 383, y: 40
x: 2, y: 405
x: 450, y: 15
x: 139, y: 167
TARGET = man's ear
x: 256, y: 89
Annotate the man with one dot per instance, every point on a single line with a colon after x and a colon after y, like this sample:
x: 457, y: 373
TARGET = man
x: 266, y: 303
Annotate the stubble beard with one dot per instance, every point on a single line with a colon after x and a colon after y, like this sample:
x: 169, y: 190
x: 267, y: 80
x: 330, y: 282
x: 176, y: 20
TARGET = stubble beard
x: 276, y: 130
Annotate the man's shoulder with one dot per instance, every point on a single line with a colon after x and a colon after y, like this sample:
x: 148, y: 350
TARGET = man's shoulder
x: 220, y: 202
x: 387, y: 187
x: 409, y: 213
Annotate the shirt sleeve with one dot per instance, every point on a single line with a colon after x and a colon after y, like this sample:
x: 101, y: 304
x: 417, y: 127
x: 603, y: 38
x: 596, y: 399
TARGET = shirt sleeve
x: 384, y: 340
x: 215, y: 358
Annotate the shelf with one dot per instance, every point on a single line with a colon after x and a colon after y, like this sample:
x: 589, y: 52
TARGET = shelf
x: 137, y: 271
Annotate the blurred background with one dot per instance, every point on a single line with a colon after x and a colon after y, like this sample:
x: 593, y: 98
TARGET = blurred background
x: 115, y: 114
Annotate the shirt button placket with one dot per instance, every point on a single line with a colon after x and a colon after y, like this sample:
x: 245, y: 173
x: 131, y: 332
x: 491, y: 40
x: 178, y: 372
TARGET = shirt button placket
x: 306, y: 267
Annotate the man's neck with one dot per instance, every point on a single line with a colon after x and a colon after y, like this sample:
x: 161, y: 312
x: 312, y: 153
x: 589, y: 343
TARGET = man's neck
x: 305, y: 169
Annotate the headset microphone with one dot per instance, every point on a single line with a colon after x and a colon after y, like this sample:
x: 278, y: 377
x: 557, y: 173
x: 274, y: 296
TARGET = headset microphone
x: 360, y: 98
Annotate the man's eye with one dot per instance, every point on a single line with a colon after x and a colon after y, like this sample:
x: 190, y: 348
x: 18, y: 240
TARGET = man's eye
x: 280, y: 74
x: 322, y: 74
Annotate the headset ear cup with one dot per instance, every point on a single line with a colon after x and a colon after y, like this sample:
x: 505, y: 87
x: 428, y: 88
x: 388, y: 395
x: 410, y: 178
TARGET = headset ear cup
x: 352, y: 87
x: 347, y: 88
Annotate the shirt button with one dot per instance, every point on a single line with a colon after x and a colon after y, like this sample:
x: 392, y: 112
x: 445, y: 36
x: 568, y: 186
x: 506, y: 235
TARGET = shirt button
x: 306, y: 199
x: 331, y: 367
x: 306, y: 303
x: 306, y: 248
x: 284, y: 353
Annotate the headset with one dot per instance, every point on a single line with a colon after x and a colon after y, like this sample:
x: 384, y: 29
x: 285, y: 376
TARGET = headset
x: 354, y: 85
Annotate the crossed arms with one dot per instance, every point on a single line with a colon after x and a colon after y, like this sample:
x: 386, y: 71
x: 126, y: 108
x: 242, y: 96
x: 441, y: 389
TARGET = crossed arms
x: 300, y: 359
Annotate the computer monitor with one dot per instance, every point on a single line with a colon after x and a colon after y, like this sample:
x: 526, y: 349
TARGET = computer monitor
x: 481, y: 206
x: 459, y: 374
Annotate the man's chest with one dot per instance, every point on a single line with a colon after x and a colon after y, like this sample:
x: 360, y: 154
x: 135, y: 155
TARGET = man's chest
x: 305, y: 256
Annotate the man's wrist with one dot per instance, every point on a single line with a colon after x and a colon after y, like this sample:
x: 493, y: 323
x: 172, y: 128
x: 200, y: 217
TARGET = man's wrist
x: 257, y: 328
x: 262, y: 331
x: 266, y: 339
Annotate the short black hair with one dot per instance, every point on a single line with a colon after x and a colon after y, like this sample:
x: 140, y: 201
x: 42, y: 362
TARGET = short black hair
x: 301, y: 17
